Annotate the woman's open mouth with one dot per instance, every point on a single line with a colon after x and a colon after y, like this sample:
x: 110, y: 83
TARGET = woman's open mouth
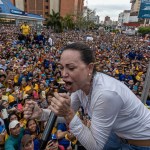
x: 68, y: 85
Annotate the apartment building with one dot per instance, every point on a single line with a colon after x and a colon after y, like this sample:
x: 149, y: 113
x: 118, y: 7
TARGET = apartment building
x: 19, y: 4
x: 123, y: 17
x: 45, y: 7
x: 135, y: 6
x: 74, y: 7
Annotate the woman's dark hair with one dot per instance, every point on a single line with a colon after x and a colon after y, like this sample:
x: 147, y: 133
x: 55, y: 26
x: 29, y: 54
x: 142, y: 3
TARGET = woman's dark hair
x: 87, y: 54
x: 37, y: 126
x: 29, y: 121
x: 13, y: 113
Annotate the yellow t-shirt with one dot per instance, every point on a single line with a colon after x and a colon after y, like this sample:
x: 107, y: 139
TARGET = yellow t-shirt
x: 140, y: 73
x: 36, y: 87
x: 25, y: 29
x: 11, y: 98
x: 117, y: 71
x: 26, y: 89
x: 16, y: 77
x: 138, y: 77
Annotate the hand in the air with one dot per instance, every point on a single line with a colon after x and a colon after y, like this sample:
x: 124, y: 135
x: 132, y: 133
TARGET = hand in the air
x: 32, y: 110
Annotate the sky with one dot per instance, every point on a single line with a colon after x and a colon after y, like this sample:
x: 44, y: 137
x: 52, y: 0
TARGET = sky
x: 110, y: 8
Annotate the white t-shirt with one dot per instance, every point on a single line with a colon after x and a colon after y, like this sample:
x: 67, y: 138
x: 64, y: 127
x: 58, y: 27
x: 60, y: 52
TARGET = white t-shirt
x: 50, y: 41
x: 113, y: 107
x: 89, y: 38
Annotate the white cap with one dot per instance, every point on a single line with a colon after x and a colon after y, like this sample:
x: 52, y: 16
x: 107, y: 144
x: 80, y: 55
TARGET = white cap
x: 13, y: 124
x: 24, y: 66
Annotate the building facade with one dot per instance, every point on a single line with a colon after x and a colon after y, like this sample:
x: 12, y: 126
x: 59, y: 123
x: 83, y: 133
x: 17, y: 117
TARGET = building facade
x: 45, y: 7
x: 54, y: 5
x: 19, y: 4
x: 90, y: 15
x: 123, y: 17
x: 74, y: 7
x: 40, y: 7
x: 107, y: 21
x: 135, y: 6
x: 68, y: 7
x: 107, y: 18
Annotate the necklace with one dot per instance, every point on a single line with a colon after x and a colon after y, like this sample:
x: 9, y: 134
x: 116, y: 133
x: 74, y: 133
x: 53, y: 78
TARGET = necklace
x: 89, y: 98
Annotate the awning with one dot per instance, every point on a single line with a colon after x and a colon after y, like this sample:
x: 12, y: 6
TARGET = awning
x: 13, y: 16
x: 132, y: 24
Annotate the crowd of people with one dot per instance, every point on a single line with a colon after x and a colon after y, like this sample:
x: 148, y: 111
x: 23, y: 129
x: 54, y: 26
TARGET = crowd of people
x: 30, y: 70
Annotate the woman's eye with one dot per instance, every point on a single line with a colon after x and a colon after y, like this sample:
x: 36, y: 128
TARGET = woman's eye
x: 71, y: 69
x: 61, y: 68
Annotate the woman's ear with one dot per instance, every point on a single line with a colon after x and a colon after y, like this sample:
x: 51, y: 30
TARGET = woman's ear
x: 91, y: 67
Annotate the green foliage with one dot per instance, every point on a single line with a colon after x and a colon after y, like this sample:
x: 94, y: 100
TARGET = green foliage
x: 80, y: 22
x: 84, y: 23
x: 115, y: 31
x: 68, y: 22
x: 144, y: 30
x: 55, y: 21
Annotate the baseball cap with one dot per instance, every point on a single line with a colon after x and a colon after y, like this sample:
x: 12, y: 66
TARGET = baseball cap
x: 13, y: 124
x: 24, y: 66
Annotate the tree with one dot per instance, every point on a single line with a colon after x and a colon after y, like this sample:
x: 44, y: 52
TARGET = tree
x: 144, y: 30
x: 80, y: 22
x: 55, y: 21
x: 86, y: 22
x: 68, y: 22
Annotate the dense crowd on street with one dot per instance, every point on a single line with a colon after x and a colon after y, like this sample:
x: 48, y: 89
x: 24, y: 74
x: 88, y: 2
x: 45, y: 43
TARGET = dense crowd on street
x: 30, y: 70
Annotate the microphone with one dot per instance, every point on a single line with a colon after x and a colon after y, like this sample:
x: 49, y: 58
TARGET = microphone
x: 48, y: 129
x: 49, y: 126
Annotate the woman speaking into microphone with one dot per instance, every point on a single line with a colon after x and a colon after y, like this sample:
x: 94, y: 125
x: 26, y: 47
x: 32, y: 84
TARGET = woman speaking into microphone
x: 119, y: 120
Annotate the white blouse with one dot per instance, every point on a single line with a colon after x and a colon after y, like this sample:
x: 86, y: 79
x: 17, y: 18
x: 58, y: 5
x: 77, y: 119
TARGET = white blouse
x: 113, y: 107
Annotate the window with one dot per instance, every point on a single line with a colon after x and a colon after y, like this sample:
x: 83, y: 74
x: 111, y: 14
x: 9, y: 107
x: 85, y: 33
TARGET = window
x: 46, y: 0
x: 46, y: 7
x: 46, y: 13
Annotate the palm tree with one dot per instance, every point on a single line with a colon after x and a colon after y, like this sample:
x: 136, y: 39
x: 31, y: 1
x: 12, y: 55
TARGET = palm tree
x: 81, y: 22
x: 55, y: 21
x: 68, y: 22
